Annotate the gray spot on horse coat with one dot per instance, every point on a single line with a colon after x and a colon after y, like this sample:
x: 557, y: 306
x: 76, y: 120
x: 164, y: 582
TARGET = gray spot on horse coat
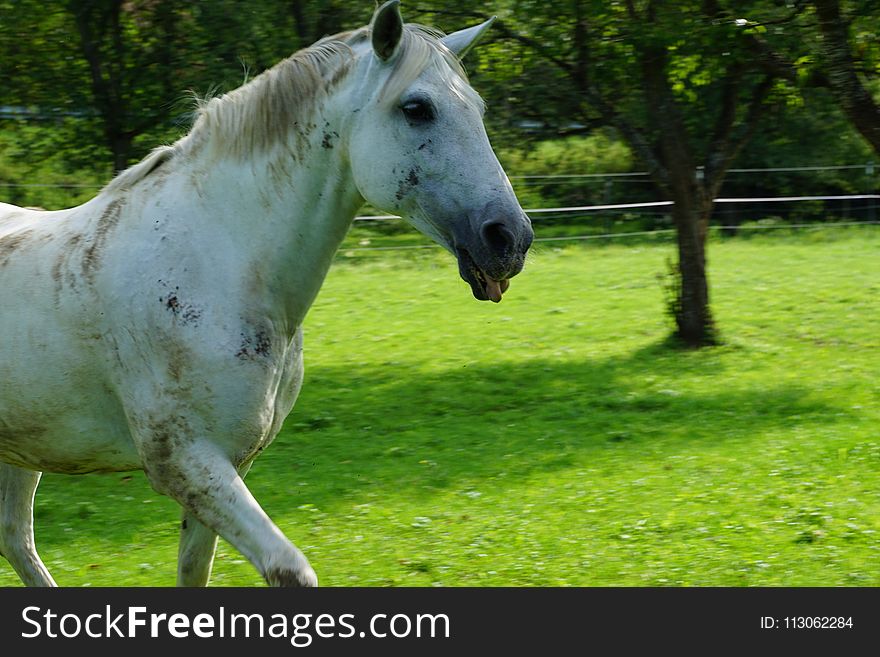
x: 107, y: 222
x: 10, y: 243
x: 178, y: 360
x: 279, y: 174
x: 301, y: 133
x: 165, y: 436
x: 61, y: 273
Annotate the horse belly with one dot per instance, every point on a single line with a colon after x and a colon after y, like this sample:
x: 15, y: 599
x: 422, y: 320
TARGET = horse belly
x: 57, y: 414
x: 69, y: 445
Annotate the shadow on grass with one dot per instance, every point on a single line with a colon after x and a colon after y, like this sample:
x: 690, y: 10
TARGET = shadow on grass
x: 384, y: 431
x: 408, y: 431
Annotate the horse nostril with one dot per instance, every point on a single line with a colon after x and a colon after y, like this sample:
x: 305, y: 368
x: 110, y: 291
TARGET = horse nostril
x: 497, y: 237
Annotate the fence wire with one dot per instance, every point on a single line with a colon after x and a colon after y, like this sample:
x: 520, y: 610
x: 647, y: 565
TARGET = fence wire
x: 658, y: 211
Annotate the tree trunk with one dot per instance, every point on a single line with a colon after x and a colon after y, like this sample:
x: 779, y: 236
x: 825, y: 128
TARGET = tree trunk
x: 692, y: 199
x: 121, y: 147
x: 848, y: 90
x: 695, y: 326
x: 300, y: 23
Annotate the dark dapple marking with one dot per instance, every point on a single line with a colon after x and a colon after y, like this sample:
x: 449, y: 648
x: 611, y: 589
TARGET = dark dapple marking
x: 408, y: 183
x: 302, y: 133
x: 252, y: 347
x: 328, y: 139
x: 187, y: 313
x: 107, y: 222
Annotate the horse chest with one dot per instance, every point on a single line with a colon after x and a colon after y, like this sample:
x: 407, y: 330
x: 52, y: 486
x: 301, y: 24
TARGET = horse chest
x: 278, y: 395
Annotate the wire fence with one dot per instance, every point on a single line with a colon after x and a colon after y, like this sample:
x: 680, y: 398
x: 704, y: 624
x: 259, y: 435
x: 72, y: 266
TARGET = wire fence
x: 722, y: 227
x: 640, y: 233
x: 654, y: 204
x: 617, y: 218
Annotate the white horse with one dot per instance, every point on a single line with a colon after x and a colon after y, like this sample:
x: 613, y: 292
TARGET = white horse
x: 157, y: 326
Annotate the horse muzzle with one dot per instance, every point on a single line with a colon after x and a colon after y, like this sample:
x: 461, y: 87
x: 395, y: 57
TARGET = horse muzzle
x: 493, y: 253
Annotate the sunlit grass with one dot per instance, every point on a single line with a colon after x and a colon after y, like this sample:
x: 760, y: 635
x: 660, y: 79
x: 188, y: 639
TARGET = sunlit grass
x: 553, y: 439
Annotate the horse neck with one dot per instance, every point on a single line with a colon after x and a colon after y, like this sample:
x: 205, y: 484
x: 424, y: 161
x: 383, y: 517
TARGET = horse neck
x: 285, y: 212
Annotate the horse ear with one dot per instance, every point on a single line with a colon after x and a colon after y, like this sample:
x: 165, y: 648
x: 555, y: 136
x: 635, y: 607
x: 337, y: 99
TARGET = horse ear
x: 462, y: 41
x: 386, y: 29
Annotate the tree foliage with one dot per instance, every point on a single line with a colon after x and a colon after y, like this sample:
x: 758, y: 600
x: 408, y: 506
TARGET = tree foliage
x: 687, y: 85
x: 123, y: 67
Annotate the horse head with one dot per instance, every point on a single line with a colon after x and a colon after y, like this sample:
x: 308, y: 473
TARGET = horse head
x: 418, y: 148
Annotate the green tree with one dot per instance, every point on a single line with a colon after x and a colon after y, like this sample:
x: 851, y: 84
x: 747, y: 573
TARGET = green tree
x: 124, y: 67
x: 843, y: 73
x: 829, y: 44
x: 130, y: 56
x: 676, y: 80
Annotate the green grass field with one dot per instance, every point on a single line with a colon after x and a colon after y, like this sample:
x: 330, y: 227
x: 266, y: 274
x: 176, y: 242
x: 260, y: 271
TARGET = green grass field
x: 553, y: 439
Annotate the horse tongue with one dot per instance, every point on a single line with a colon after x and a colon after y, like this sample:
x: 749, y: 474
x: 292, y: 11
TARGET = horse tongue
x: 493, y: 289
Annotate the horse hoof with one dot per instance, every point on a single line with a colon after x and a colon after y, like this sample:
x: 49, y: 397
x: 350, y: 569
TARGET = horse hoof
x: 286, y: 577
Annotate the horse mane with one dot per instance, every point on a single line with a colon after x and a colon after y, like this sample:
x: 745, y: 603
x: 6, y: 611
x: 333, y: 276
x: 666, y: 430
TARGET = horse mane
x: 135, y: 173
x: 261, y: 113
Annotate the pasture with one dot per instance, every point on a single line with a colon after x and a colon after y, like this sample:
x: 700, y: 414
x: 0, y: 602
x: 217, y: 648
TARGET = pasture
x: 553, y: 439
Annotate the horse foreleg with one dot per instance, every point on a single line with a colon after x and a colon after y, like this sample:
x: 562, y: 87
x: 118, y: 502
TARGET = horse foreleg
x: 17, y: 489
x: 206, y: 484
x: 196, y: 554
x: 198, y: 543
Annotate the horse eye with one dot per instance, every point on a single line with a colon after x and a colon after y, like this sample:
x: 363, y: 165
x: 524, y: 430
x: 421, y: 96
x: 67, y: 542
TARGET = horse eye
x: 418, y: 111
